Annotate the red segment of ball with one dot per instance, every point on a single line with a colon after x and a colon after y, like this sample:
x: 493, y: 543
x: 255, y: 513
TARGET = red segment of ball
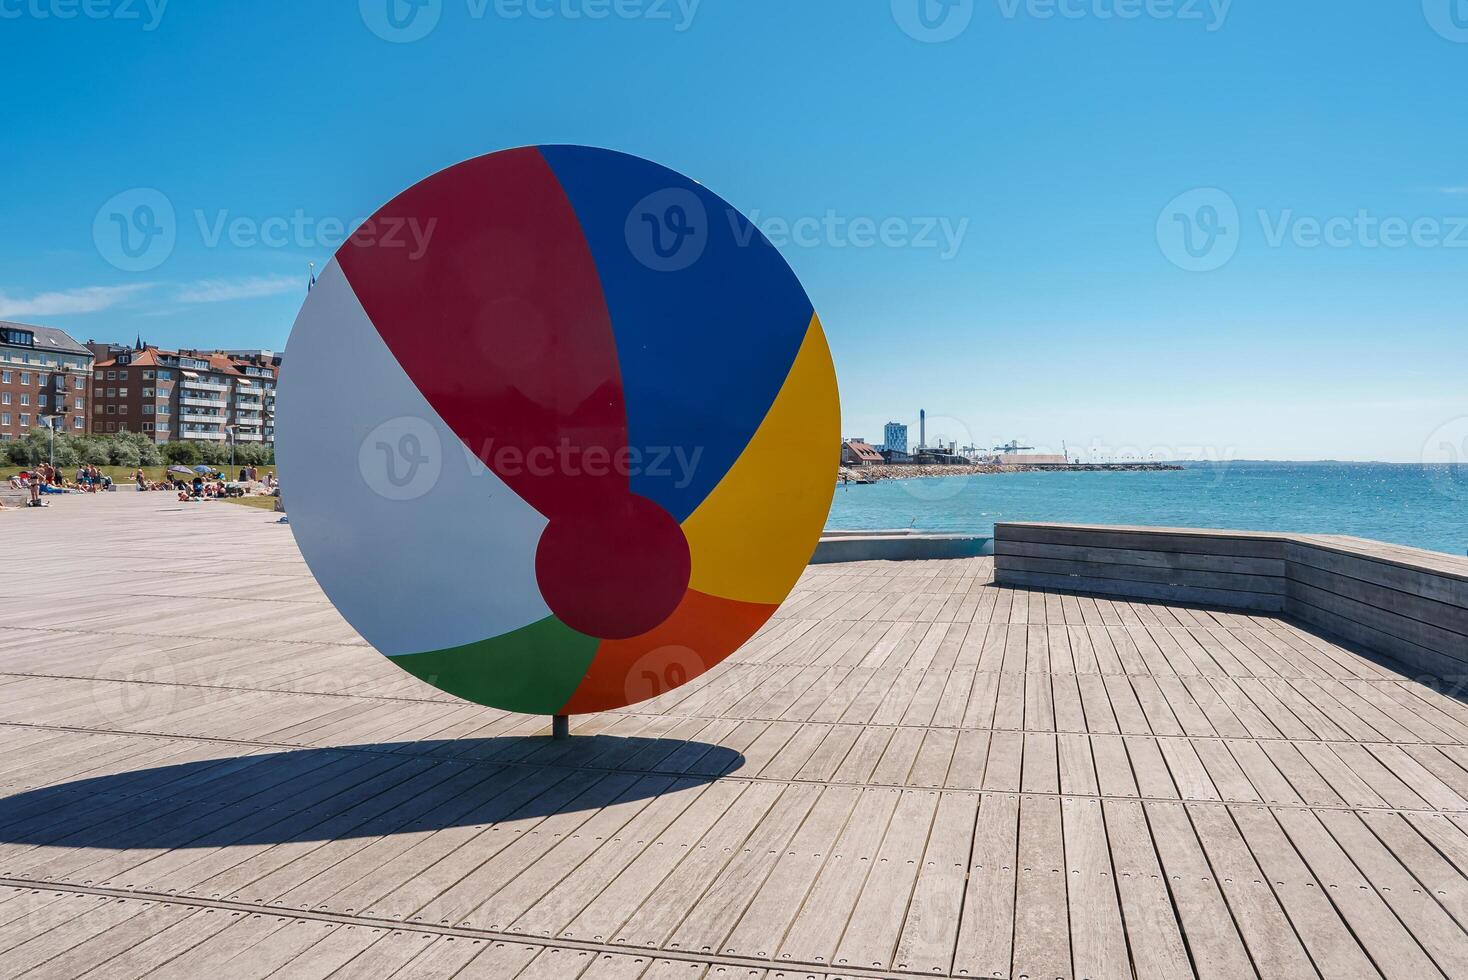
x: 613, y: 570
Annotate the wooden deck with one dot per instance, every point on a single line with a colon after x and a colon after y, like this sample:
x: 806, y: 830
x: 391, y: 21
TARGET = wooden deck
x: 910, y: 771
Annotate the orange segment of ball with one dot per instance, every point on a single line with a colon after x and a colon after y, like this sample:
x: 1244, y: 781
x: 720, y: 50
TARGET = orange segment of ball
x: 700, y: 633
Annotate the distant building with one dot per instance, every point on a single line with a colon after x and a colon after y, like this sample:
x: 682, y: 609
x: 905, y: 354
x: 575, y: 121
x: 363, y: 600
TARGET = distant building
x: 854, y: 452
x: 186, y: 395
x: 894, y: 438
x: 43, y: 376
x: 896, y: 456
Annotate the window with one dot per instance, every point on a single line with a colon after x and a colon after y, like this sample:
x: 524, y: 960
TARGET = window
x: 111, y: 426
x: 25, y: 398
x: 81, y: 403
x: 147, y: 375
x: 122, y: 427
x: 161, y: 427
x: 147, y: 392
x: 5, y: 377
x: 25, y: 420
x: 4, y: 398
x: 122, y: 375
x: 78, y: 382
x: 163, y: 409
x: 121, y: 392
x: 122, y: 409
x: 111, y: 392
x: 147, y: 409
x: 4, y: 418
x: 41, y: 398
x: 165, y: 375
x: 98, y: 376
x: 25, y: 377
x: 111, y: 409
x: 147, y: 426
x: 76, y: 423
x: 111, y: 375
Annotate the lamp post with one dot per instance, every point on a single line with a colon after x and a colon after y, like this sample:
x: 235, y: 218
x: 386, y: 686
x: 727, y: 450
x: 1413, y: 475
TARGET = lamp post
x: 229, y: 428
x: 49, y: 420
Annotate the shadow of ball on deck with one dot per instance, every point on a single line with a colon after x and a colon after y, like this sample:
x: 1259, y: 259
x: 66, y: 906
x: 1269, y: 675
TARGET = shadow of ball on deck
x: 356, y: 791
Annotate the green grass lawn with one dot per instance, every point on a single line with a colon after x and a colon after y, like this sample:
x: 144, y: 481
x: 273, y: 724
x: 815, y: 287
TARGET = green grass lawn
x: 260, y: 503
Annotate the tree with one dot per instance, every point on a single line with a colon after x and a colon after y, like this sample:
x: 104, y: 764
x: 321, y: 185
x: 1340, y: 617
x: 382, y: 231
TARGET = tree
x: 94, y: 451
x: 181, y: 453
x: 123, y: 453
x: 214, y: 453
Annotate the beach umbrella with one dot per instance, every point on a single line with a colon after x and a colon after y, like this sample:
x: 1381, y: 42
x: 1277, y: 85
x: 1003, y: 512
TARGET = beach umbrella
x: 181, y: 469
x: 203, y: 469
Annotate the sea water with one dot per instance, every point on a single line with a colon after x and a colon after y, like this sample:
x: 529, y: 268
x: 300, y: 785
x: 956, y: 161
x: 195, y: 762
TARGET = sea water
x: 1421, y: 506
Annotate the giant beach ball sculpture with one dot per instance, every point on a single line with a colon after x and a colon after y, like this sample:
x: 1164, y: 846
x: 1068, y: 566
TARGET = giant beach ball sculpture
x: 557, y: 430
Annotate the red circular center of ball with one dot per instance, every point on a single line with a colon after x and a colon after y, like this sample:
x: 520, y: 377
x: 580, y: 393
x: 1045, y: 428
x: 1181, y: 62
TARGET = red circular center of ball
x: 613, y: 570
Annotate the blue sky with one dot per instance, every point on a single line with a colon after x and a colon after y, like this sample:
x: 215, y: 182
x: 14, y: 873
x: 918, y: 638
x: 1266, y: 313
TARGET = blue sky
x: 1211, y: 228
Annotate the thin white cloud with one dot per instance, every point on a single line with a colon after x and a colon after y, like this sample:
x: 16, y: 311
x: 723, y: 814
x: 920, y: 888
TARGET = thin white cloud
x: 87, y: 299
x: 224, y: 290
x: 1453, y: 190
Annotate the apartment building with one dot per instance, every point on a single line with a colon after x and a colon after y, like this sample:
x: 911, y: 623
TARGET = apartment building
x: 185, y: 395
x: 43, y: 378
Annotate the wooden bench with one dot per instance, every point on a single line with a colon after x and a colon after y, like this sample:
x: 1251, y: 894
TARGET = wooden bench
x: 1406, y: 603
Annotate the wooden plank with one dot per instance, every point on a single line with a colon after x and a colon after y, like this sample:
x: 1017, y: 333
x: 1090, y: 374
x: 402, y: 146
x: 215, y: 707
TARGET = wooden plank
x: 1097, y: 937
x: 1156, y: 942
x: 985, y: 945
x: 1391, y: 947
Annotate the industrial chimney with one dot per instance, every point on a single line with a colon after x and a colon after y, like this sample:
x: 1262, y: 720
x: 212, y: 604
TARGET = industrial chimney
x: 922, y: 428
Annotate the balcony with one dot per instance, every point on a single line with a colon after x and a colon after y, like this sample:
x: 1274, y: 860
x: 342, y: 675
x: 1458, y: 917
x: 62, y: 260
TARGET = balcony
x: 204, y: 385
x: 210, y: 436
x: 249, y: 437
x: 219, y: 403
x: 200, y: 417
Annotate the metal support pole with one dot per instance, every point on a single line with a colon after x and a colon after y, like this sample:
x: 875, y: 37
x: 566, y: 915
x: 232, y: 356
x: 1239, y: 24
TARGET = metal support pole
x: 560, y: 727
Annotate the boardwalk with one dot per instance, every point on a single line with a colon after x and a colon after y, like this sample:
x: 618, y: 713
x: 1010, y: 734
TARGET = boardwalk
x: 910, y: 771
